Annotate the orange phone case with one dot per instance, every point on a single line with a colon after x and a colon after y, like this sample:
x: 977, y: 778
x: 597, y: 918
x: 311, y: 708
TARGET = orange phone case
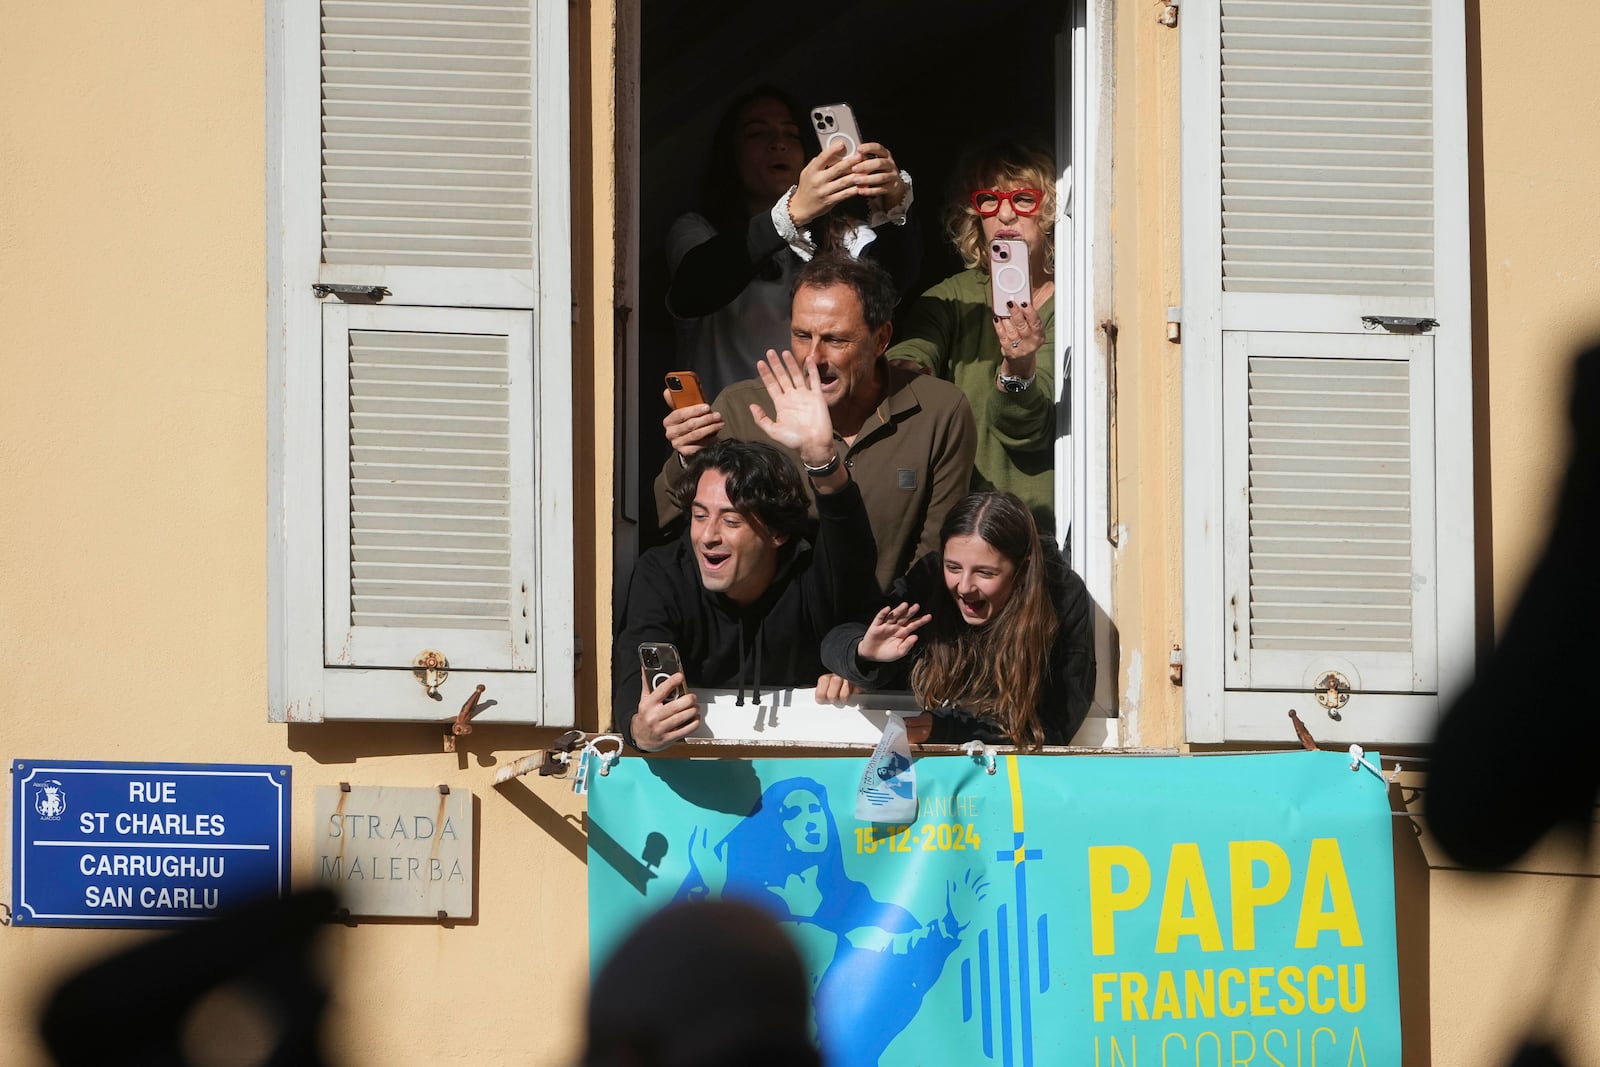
x: 684, y: 385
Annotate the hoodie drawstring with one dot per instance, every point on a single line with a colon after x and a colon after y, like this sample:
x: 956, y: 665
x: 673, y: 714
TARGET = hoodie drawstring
x: 757, y: 680
x: 740, y: 701
x: 758, y: 660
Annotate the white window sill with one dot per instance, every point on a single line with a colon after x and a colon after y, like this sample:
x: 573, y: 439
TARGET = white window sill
x: 794, y: 717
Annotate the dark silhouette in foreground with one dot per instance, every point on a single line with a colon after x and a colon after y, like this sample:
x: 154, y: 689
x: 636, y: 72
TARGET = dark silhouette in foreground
x: 140, y: 1006
x: 702, y: 984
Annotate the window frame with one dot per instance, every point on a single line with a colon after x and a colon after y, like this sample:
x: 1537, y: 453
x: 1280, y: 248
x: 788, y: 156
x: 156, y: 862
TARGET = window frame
x: 1083, y: 460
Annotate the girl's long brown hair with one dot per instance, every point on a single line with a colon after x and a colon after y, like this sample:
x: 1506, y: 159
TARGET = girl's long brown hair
x: 995, y: 671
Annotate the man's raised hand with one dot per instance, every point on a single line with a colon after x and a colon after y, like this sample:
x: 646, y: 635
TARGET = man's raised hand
x: 800, y: 412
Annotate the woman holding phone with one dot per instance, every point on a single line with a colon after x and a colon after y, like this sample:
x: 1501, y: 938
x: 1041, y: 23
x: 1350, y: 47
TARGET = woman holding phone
x: 994, y: 633
x: 991, y: 328
x: 766, y: 209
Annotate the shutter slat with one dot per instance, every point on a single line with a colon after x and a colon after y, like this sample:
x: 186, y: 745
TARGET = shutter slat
x: 427, y: 105
x: 430, y: 479
x: 1321, y: 526
x: 1327, y: 113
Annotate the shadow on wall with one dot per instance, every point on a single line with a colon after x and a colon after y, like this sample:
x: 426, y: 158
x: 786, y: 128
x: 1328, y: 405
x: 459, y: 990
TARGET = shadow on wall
x: 1489, y: 802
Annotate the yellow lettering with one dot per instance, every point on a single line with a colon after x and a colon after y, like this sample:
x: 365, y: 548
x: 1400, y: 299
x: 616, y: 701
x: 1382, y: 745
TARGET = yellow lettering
x: 1266, y: 1036
x: 1258, y: 991
x: 1232, y: 974
x: 1356, y: 1046
x: 1215, y: 1040
x: 1319, y: 1004
x: 1098, y: 982
x: 1289, y: 979
x: 1186, y: 873
x: 1352, y: 1002
x: 1167, y: 1006
x: 1183, y: 1040
x: 1247, y: 896
x: 1325, y: 876
x: 1134, y: 988
x: 1200, y: 994
x: 1233, y: 1047
x: 1104, y: 900
x: 1314, y: 1033
x: 1117, y: 1056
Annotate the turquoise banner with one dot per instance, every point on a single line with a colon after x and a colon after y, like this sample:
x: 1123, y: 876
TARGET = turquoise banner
x: 1114, y: 911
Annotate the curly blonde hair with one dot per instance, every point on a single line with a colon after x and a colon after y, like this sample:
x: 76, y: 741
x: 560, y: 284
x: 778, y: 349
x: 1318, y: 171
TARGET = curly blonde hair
x: 1011, y: 165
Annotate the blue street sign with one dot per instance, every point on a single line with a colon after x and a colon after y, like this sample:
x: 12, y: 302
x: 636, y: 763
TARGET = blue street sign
x: 144, y: 844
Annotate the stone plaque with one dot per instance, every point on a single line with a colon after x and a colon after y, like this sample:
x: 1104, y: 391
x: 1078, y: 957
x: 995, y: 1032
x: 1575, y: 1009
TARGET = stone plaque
x: 395, y: 851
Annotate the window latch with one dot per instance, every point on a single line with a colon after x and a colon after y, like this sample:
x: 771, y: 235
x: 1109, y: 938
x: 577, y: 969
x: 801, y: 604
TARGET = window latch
x: 348, y: 292
x: 1400, y: 323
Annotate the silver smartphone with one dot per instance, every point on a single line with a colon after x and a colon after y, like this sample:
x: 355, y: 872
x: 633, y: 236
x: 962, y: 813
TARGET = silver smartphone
x: 836, y: 122
x: 1008, y: 275
x: 660, y: 662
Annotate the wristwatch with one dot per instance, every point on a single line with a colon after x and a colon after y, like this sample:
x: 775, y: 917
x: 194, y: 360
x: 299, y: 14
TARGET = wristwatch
x: 823, y: 471
x: 1014, y: 385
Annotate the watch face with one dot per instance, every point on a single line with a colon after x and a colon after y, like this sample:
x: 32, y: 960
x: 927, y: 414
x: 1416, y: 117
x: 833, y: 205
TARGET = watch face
x: 1015, y: 385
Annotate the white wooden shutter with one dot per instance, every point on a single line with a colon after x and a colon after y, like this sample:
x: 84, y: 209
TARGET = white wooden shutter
x: 1327, y: 499
x: 422, y: 152
x: 429, y: 486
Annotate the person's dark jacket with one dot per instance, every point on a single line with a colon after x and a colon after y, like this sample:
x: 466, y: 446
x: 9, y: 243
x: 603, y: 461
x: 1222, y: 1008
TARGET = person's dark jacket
x: 1068, y: 685
x: 774, y: 642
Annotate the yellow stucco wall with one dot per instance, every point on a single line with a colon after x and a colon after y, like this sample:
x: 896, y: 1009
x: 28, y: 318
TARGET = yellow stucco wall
x: 133, y: 442
x: 133, y: 458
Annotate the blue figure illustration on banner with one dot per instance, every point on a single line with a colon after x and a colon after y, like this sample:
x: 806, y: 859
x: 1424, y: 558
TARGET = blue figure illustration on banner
x: 871, y: 962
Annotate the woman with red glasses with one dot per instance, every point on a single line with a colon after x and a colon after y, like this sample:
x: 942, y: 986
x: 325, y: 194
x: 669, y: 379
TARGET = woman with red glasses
x: 1005, y: 364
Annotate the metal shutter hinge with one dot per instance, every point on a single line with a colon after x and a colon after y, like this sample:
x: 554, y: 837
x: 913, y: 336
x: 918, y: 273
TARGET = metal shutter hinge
x: 356, y: 293
x: 1400, y: 323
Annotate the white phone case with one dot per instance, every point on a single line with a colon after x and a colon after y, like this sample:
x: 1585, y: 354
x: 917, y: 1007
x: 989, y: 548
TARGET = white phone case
x: 836, y: 122
x: 1008, y: 275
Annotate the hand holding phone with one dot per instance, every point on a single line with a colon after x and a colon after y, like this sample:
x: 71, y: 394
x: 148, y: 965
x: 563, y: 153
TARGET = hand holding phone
x: 1008, y: 275
x: 660, y: 662
x: 662, y: 717
x: 687, y: 426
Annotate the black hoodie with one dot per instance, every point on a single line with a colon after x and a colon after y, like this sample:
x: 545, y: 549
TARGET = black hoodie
x: 1069, y: 678
x: 774, y: 642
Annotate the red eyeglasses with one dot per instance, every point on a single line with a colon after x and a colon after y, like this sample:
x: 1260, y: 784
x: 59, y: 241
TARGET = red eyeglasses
x: 1023, y: 201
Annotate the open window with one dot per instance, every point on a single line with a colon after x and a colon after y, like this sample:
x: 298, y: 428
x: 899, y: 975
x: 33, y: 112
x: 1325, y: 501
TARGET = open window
x: 921, y: 80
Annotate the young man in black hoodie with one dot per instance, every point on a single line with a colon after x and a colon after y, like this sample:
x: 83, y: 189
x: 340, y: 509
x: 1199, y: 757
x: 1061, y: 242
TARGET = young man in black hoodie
x: 742, y: 596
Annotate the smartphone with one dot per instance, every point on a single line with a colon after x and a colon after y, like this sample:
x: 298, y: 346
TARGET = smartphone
x: 1008, y: 275
x: 684, y: 385
x: 660, y: 661
x: 836, y: 122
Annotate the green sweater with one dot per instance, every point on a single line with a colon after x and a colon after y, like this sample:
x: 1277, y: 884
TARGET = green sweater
x: 950, y: 330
